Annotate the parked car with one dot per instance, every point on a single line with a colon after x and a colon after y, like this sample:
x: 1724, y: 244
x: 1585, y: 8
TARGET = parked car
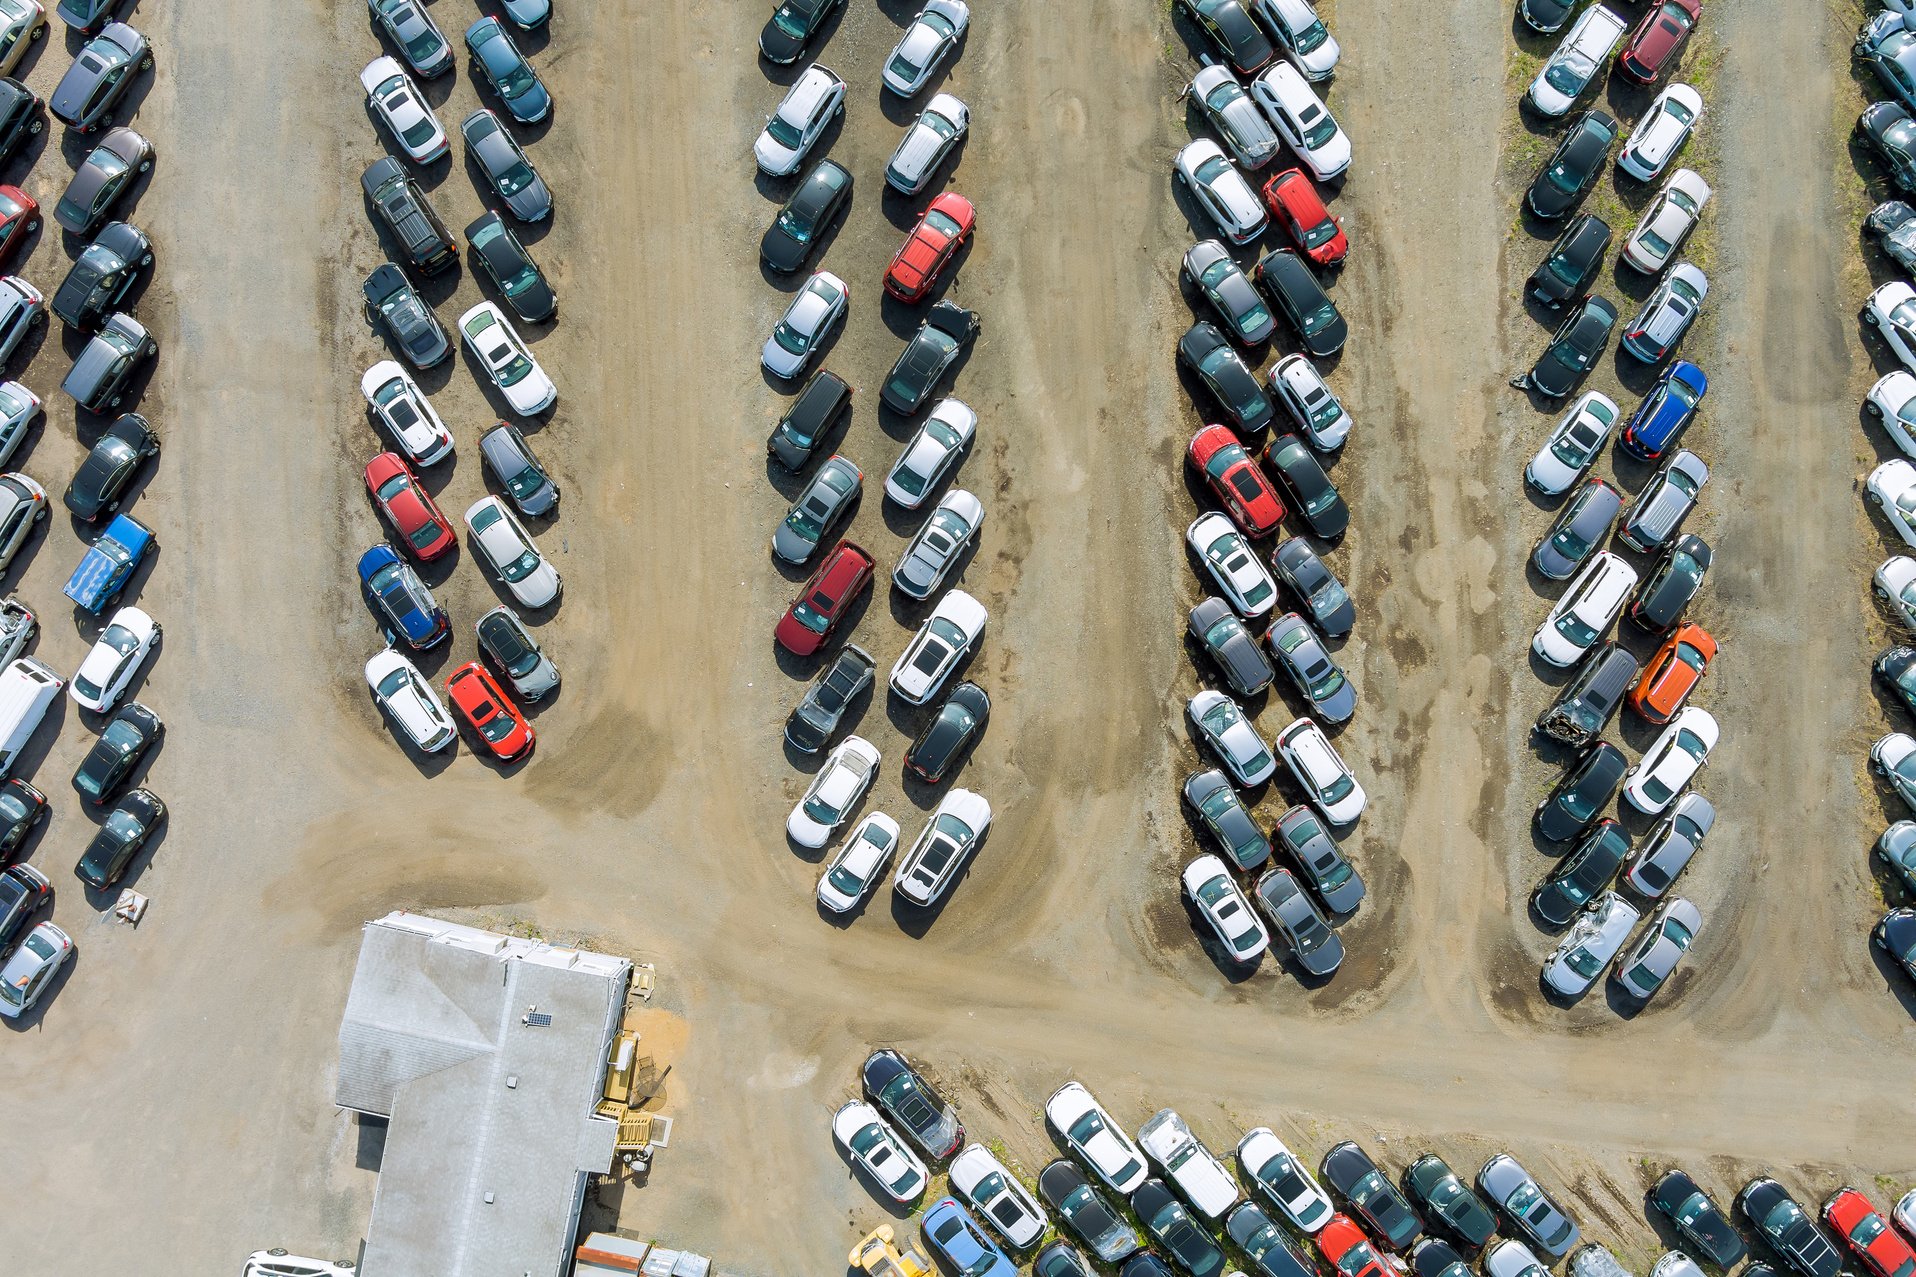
x: 813, y: 101
x: 1193, y: 1168
x: 1582, y: 792
x: 107, y: 566
x: 819, y: 199
x: 484, y: 707
x: 817, y: 716
x: 22, y: 309
x: 1216, y: 897
x: 1283, y: 1179
x: 1673, y: 673
x: 502, y: 162
x: 1645, y: 967
x: 1883, y: 1253
x: 122, y: 743
x: 1302, y: 836
x: 1315, y: 586
x: 1511, y: 1258
x: 1220, y: 190
x: 1348, y: 1251
x: 100, y: 377
x: 912, y: 1104
x: 22, y: 23
x: 1295, y: 203
x: 1886, y: 128
x: 1314, y: 497
x: 1224, y: 638
x: 411, y: 322
x: 1211, y: 269
x: 1447, y: 1199
x: 1893, y: 758
x: 1580, y: 528
x: 1171, y: 1226
x: 1574, y: 348
x: 848, y: 772
x: 1661, y: 132
x: 1316, y: 765
x: 1296, y: 649
x: 791, y: 27
x: 109, y: 467
x: 408, y: 216
x: 1307, y: 398
x: 949, y: 733
x: 940, y: 127
x: 1579, y: 877
x: 507, y: 643
x: 18, y: 408
x: 943, y: 335
x: 926, y: 43
x: 398, y: 404
x: 1227, y: 556
x: 1668, y: 221
x: 1788, y: 1229
x: 834, y: 487
x: 1084, y: 1210
x: 1231, y: 383
x: 1303, y: 121
x: 509, y: 550
x: 840, y: 578
x: 1573, y: 66
x: 23, y: 890
x: 1897, y: 847
x: 1098, y: 1141
x: 402, y: 692
x: 1583, y: 708
x: 1666, y: 500
x: 955, y: 1238
x: 498, y: 64
x: 1585, y: 611
x: 938, y: 544
x: 403, y: 605
x: 1234, y: 116
x: 821, y: 406
x: 1295, y: 916
x: 1301, y: 299
x: 1352, y: 1174
x: 1678, y: 575
x: 508, y: 362
x: 945, y: 227
x: 1698, y: 1219
x: 1892, y: 224
x: 1568, y: 269
x: 1666, y: 314
x: 981, y: 1180
x: 510, y: 460
x: 503, y: 260
x: 1271, y: 1252
x: 93, y: 87
x: 875, y: 1147
x: 1227, y: 733
x: 1572, y: 169
x: 1658, y: 39
x: 1891, y: 403
x: 1672, y: 761
x: 1228, y: 25
x: 28, y: 974
x: 948, y: 635
x: 1574, y: 965
x: 1574, y: 443
x: 1665, y: 412
x: 1524, y: 1202
x: 1300, y: 34
x: 400, y: 106
x: 1235, y: 480
x: 17, y: 628
x: 414, y: 33
x: 116, y: 656
x: 1891, y: 487
x: 856, y: 867
x: 1895, y: 935
x: 932, y: 452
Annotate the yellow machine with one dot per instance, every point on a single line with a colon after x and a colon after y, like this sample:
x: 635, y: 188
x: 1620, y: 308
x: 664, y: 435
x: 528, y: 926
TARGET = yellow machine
x: 879, y: 1255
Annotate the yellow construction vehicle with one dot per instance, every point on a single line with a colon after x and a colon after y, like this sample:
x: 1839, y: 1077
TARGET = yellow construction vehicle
x: 879, y: 1255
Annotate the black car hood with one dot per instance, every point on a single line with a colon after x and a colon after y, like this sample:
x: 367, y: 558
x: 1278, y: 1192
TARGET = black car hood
x: 778, y: 45
x: 780, y: 251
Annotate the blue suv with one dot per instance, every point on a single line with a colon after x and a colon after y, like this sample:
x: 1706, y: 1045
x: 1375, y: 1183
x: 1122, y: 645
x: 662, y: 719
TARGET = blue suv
x: 1665, y: 412
x: 952, y: 1233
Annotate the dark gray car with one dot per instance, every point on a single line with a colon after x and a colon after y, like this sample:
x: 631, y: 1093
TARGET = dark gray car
x: 1223, y: 815
x: 102, y: 178
x: 20, y: 116
x: 1296, y: 649
x: 817, y: 410
x: 1678, y: 575
x: 1665, y: 502
x: 100, y: 77
x: 99, y: 377
x: 1294, y: 915
x: 1581, y: 876
x: 817, y: 716
x: 102, y: 275
x: 949, y: 733
x: 794, y: 233
x: 1583, y: 708
x: 1217, y: 629
x: 87, y: 15
x: 1581, y: 528
x: 511, y: 460
x: 825, y: 499
x: 506, y: 641
x: 110, y: 466
x: 505, y: 166
x: 1315, y: 585
x: 504, y: 260
x: 1335, y: 878
x: 418, y: 332
x: 1209, y: 266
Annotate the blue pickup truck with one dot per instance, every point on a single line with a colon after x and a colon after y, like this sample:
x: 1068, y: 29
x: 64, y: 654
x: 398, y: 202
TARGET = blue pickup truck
x: 108, y: 565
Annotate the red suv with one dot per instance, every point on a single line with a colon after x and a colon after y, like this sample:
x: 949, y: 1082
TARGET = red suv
x: 946, y: 224
x: 845, y: 574
x: 406, y: 505
x: 1296, y: 204
x: 1235, y: 478
x: 1654, y: 45
x: 479, y: 699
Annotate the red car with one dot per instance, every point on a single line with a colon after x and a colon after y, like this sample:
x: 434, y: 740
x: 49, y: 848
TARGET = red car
x: 1296, y: 204
x: 407, y: 507
x: 931, y: 244
x: 1867, y: 1233
x: 1236, y: 480
x: 1654, y: 45
x: 479, y: 699
x: 845, y: 574
x: 1348, y: 1251
x: 19, y: 218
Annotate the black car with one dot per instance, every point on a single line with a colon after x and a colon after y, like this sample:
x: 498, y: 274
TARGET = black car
x: 23, y: 889
x: 1271, y: 1252
x: 1581, y: 875
x: 503, y: 260
x: 954, y: 729
x: 1224, y: 638
x: 1085, y: 1212
x: 1788, y: 1229
x: 1897, y: 667
x: 824, y: 402
x: 912, y: 1105
x: 414, y: 328
x: 1351, y: 1174
x: 1582, y: 526
x: 1315, y: 585
x: 110, y: 466
x: 105, y: 270
x: 1678, y: 575
x: 1246, y: 49
x: 1146, y: 1264
x: 1891, y: 133
x: 1585, y: 787
x: 1293, y: 287
x: 120, y: 837
x: 20, y: 116
x: 1451, y: 1202
x: 1435, y: 1257
x: 409, y: 217
x: 792, y: 25
x: 931, y: 352
x: 822, y: 196
x: 131, y: 731
x: 1172, y: 1227
x: 1699, y: 1219
x: 1546, y: 16
x: 1578, y: 343
x: 1312, y: 494
x: 1895, y: 935
x: 817, y: 716
x: 1572, y: 262
x: 1060, y: 1259
x: 21, y: 808
x: 1572, y: 169
x: 1222, y: 813
x: 1204, y: 350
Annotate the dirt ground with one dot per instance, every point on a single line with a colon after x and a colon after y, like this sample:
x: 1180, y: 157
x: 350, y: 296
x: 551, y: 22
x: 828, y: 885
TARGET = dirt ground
x: 173, y: 1096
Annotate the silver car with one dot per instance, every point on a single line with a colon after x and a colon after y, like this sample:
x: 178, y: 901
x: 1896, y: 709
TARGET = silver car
x: 1670, y: 846
x: 22, y: 308
x: 506, y: 641
x: 1667, y: 313
x: 506, y: 168
x: 1296, y: 649
x: 1644, y: 968
x: 824, y: 501
x: 18, y: 407
x: 510, y: 458
x: 953, y: 525
x: 1507, y: 1184
x: 1659, y: 510
x: 23, y: 503
x: 414, y: 33
x: 1234, y: 114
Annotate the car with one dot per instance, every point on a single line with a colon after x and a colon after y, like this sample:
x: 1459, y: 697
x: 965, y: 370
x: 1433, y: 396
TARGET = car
x: 107, y: 566
x: 1573, y: 350
x: 21, y: 808
x: 926, y: 43
x: 1085, y: 1212
x: 938, y: 130
x: 1593, y: 939
x: 109, y: 467
x: 818, y: 714
x: 22, y: 22
x: 1905, y: 1214
x: 1296, y: 649
x: 1208, y: 886
x: 23, y: 890
x: 1228, y: 25
x: 1348, y: 1251
x: 404, y: 606
x: 1658, y: 39
x: 1319, y: 506
x: 508, y: 363
x: 406, y: 698
x: 858, y: 864
x: 1895, y: 935
x: 1582, y: 792
x: 1581, y: 527
x: 1891, y: 487
x: 1227, y: 733
x: 1271, y: 1252
x: 1099, y: 1142
x: 1295, y: 203
x: 938, y: 544
x: 932, y: 452
x: 1573, y: 168
x: 100, y: 376
x: 1193, y: 1168
x: 504, y: 261
x: 405, y: 504
x: 948, y: 635
x: 1665, y: 412
x: 19, y: 216
x: 101, y: 277
x: 834, y: 587
x: 409, y: 216
x: 1227, y: 556
x: 1886, y: 46
x: 1892, y: 224
x: 1283, y: 1180
x: 22, y: 308
x: 1210, y: 268
x: 1295, y: 916
x: 800, y: 333
x: 1574, y: 443
x: 1659, y: 602
x: 1222, y: 813
x: 509, y: 459
x: 414, y: 33
x: 949, y: 733
x: 1583, y: 874
x: 1534, y: 1212
x: 1574, y: 64
x: 1892, y: 309
x: 1315, y: 763
x: 1667, y: 222
x: 22, y: 504
x: 1567, y: 270
x: 1301, y: 299
x: 1352, y: 1174
x: 123, y: 742
x: 507, y: 643
x: 1000, y: 1200
x: 411, y: 322
x: 943, y: 229
x: 498, y: 64
x: 1231, y: 383
x: 1672, y: 761
x: 1511, y: 1258
x: 848, y: 772
x: 817, y: 509
x: 18, y: 409
x: 954, y: 1237
x: 1234, y: 116
x: 527, y: 14
x: 1235, y: 480
x: 1435, y: 1257
x: 1863, y: 1228
x: 18, y: 625
x: 1665, y: 501
x: 101, y: 74
x: 876, y: 1148
x: 1171, y: 1226
x: 1660, y: 134
x: 1300, y: 34
x: 503, y: 164
x: 1893, y: 757
x: 1666, y: 314
x: 116, y: 656
x: 1891, y: 403
x: 1307, y: 397
x: 1887, y: 129
x: 396, y: 100
x: 1673, y: 673
x: 1646, y: 966
x: 1585, y: 611
x: 29, y: 972
x: 1699, y: 1220
x: 20, y: 116
x: 1448, y: 1200
x: 821, y: 406
x: 1315, y: 586
x: 791, y: 27
x: 1311, y: 849
x: 484, y: 706
x: 813, y: 101
x: 1224, y: 638
x: 1897, y: 847
x: 398, y: 404
x: 509, y: 550
x: 1220, y: 190
x: 1788, y: 1229
x: 1303, y: 121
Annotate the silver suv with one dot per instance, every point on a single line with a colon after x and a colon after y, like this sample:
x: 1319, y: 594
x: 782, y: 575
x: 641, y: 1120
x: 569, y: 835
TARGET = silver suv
x: 1665, y: 501
x: 1667, y: 313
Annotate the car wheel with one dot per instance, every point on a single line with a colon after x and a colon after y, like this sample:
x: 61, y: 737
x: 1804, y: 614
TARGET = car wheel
x: 39, y: 31
x: 40, y: 514
x: 147, y: 260
x: 146, y: 63
x: 104, y: 122
x: 39, y: 317
x: 1872, y: 410
x: 159, y: 632
x: 32, y: 227
x: 37, y: 125
x: 145, y: 165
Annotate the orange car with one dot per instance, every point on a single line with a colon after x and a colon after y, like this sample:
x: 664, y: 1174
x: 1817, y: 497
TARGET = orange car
x: 482, y: 703
x: 1673, y: 673
x: 1346, y: 1249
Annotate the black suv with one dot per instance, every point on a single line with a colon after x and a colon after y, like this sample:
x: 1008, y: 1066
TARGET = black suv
x: 20, y: 116
x: 954, y: 728
x: 1580, y: 876
x: 816, y: 717
x: 421, y: 337
x: 930, y: 353
x: 425, y: 240
x: 813, y: 415
x: 1302, y: 300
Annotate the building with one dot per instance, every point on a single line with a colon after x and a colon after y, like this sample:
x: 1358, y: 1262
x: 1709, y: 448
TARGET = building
x: 487, y: 1055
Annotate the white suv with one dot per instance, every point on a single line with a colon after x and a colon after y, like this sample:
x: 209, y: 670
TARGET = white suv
x: 939, y: 127
x: 1303, y: 121
x: 404, y: 694
x: 1327, y: 779
x: 952, y: 833
x: 953, y: 629
x: 792, y: 130
x: 1302, y: 390
x: 1588, y: 608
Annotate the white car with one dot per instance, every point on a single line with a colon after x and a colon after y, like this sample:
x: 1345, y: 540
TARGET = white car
x: 1512, y: 1258
x: 928, y: 41
x: 859, y: 864
x: 953, y: 629
x: 398, y: 102
x: 508, y: 550
x: 1208, y: 886
x: 818, y: 308
x: 1594, y: 937
x: 931, y: 452
x: 1672, y: 215
x: 1167, y: 1141
x: 1303, y: 121
x: 1587, y: 609
x: 1892, y: 487
x: 1301, y: 34
x: 18, y: 407
x: 508, y: 363
x: 792, y: 130
x: 1230, y: 735
x: 31, y: 969
x: 1574, y: 443
x: 399, y: 405
x: 939, y: 128
x: 1327, y: 779
x: 22, y: 308
x: 876, y: 1147
x: 1894, y: 758
x: 1228, y: 558
x: 1223, y: 191
x: 928, y: 559
x: 1892, y: 309
x: 1895, y: 584
x: 1641, y: 971
x: 1099, y: 1142
x: 1575, y: 62
x: 1661, y: 132
x: 994, y: 1193
x: 1302, y: 391
x: 1235, y: 116
x: 115, y: 658
x: 951, y: 833
x: 848, y: 772
x: 1905, y: 1212
x: 1281, y: 1176
x: 1892, y: 403
x: 409, y: 701
x: 1672, y: 761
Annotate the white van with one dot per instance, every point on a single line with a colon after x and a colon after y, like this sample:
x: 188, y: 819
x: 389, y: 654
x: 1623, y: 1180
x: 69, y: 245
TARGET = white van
x: 277, y: 1263
x: 27, y: 687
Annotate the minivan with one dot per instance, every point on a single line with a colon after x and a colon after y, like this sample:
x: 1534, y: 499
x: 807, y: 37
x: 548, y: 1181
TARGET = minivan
x: 427, y: 243
x: 1584, y: 708
x: 27, y: 687
x: 816, y: 412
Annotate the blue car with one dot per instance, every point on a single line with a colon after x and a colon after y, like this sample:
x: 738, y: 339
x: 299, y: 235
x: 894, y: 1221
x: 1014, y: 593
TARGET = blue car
x: 507, y: 71
x: 1666, y: 410
x: 109, y: 563
x: 404, y: 605
x: 956, y: 1238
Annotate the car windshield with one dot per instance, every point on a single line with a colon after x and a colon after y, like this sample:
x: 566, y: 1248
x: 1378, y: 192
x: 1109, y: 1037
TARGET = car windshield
x: 1576, y: 630
x: 1355, y: 1260
x: 790, y: 339
x: 813, y: 613
x: 1317, y: 126
x: 821, y: 811
x: 521, y: 567
x: 1311, y: 37
x: 1678, y: 111
x: 784, y: 132
x: 391, y: 685
x: 1568, y: 72
x: 1584, y: 962
x: 516, y: 177
x: 1320, y: 319
x: 1213, y: 168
